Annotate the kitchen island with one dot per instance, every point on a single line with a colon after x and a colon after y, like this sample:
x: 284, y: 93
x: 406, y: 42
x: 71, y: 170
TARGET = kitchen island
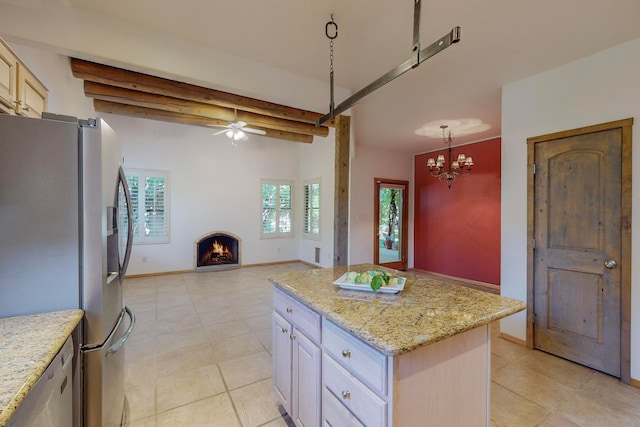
x: 420, y: 357
x: 27, y: 345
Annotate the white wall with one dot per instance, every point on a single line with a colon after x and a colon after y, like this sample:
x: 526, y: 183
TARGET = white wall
x: 598, y: 89
x: 368, y: 163
x: 39, y: 30
x: 317, y: 160
x: 213, y: 184
x: 216, y: 186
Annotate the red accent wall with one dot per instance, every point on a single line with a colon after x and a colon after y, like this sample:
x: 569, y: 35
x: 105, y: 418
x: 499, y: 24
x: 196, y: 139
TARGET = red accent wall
x: 457, y: 230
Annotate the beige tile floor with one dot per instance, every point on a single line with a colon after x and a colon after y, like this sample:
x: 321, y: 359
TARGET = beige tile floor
x: 200, y: 355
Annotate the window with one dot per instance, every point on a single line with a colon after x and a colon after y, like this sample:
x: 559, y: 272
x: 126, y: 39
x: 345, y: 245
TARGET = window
x: 150, y: 203
x: 277, y: 209
x: 311, y: 226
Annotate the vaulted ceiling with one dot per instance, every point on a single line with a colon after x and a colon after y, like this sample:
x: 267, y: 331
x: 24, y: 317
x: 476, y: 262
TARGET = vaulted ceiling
x: 502, y: 41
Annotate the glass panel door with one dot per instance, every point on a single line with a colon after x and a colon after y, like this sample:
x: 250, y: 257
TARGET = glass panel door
x: 390, y: 242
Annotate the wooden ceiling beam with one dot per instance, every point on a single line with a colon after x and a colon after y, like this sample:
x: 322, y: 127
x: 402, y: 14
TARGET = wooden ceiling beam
x: 118, y: 77
x: 181, y: 118
x: 166, y: 103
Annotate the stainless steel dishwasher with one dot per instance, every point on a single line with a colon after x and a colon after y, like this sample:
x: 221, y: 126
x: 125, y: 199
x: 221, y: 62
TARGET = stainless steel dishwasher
x: 49, y: 403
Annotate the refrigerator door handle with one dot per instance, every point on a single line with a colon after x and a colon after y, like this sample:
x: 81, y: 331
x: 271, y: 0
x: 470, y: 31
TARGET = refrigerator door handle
x: 114, y: 348
x: 95, y: 347
x: 127, y: 196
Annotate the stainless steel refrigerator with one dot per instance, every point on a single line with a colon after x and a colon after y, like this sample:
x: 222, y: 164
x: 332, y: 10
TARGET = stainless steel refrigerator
x: 65, y: 216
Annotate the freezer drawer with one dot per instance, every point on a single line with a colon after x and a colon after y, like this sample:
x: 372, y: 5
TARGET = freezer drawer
x: 104, y: 398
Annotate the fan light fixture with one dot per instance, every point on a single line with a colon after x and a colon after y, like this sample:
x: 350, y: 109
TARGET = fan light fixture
x: 444, y: 167
x: 235, y: 134
x: 237, y: 129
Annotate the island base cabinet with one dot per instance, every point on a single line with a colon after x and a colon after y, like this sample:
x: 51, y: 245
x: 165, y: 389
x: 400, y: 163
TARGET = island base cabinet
x: 282, y: 357
x: 325, y: 375
x: 305, y: 400
x: 297, y: 360
x: 444, y: 384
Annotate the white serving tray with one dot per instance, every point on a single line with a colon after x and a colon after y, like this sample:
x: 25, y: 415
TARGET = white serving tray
x: 391, y: 289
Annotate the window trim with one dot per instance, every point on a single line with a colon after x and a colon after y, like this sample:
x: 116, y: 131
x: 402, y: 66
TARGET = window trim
x: 308, y: 183
x: 142, y: 174
x: 278, y: 234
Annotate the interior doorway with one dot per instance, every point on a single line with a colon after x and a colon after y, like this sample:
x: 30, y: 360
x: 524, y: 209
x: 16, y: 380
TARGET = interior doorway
x: 390, y: 241
x: 579, y: 226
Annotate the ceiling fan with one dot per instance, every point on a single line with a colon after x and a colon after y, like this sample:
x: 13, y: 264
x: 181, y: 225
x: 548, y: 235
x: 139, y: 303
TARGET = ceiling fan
x: 236, y: 129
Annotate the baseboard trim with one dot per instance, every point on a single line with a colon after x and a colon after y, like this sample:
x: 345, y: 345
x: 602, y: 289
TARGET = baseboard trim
x: 482, y: 286
x: 167, y: 273
x: 160, y: 273
x: 635, y: 383
x: 512, y: 339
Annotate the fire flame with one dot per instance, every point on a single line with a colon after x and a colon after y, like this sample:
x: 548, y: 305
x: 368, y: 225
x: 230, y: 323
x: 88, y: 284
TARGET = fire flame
x: 218, y: 254
x: 219, y: 249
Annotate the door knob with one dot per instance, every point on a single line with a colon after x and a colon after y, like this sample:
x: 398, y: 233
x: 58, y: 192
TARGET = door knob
x: 610, y: 263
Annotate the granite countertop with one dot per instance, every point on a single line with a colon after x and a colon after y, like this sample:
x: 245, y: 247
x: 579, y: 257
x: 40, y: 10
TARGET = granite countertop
x: 28, y: 344
x: 428, y: 310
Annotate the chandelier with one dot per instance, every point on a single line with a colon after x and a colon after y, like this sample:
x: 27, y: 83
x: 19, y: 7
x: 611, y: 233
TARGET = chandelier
x: 444, y: 167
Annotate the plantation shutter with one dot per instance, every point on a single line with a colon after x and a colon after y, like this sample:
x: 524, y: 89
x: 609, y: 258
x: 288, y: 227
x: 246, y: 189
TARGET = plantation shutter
x: 134, y: 189
x: 312, y: 208
x: 154, y: 202
x: 277, y: 213
x: 149, y: 201
x: 285, y: 209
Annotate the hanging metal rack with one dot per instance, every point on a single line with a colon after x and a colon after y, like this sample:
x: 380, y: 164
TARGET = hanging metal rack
x: 417, y: 57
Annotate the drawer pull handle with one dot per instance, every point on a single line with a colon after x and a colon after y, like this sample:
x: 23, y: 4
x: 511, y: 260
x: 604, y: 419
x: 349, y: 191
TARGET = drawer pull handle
x: 289, y: 310
x: 346, y: 353
x: 293, y: 337
x: 346, y: 394
x: 284, y: 330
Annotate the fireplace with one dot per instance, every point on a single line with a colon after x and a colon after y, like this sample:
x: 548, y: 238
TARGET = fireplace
x: 218, y: 250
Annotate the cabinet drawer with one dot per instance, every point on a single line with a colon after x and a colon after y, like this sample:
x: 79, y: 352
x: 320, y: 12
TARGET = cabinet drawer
x: 334, y: 414
x: 365, y: 362
x: 301, y: 316
x: 354, y: 395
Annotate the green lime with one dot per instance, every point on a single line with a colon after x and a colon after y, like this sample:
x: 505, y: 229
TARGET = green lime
x: 376, y: 282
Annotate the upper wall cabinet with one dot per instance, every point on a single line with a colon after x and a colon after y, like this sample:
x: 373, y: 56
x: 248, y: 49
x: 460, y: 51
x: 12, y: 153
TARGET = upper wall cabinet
x: 8, y: 78
x: 20, y: 90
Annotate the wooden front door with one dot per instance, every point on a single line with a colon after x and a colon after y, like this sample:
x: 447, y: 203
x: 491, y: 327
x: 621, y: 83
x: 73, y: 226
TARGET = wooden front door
x: 581, y: 215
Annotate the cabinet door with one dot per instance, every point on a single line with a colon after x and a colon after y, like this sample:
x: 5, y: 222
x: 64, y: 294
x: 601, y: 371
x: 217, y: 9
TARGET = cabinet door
x: 8, y: 90
x: 32, y: 100
x: 306, y: 381
x: 281, y: 355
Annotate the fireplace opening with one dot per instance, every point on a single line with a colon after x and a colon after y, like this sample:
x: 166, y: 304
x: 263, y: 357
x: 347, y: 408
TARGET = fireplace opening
x: 217, y: 251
